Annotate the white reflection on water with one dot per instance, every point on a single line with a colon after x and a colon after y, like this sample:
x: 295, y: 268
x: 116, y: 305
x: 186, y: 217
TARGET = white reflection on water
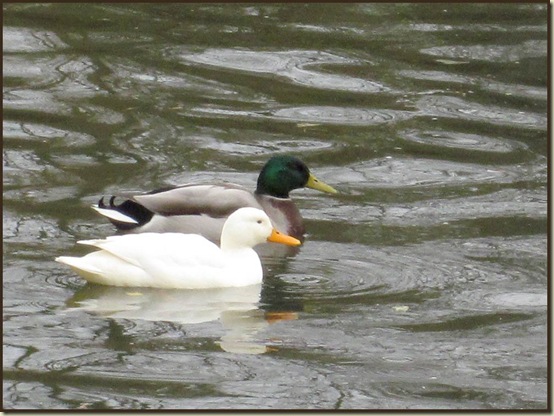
x: 236, y: 308
x: 454, y: 107
x: 494, y: 53
x: 292, y: 64
x: 16, y: 39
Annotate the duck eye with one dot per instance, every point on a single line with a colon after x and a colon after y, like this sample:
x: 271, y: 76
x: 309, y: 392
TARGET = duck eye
x: 259, y: 221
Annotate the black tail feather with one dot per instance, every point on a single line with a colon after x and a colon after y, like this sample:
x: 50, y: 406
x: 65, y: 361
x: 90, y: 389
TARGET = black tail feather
x: 129, y: 208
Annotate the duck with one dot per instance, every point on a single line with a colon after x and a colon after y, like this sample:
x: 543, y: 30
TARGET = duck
x: 203, y: 208
x: 182, y: 261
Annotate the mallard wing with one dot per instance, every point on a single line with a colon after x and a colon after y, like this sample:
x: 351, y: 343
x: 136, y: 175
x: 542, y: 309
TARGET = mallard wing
x: 198, y: 209
x: 213, y: 200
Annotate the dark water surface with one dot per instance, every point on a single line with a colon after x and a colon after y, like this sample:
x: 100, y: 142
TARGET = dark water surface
x: 421, y: 285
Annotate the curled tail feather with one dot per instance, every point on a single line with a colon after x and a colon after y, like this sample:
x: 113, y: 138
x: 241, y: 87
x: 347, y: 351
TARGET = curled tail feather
x: 125, y: 216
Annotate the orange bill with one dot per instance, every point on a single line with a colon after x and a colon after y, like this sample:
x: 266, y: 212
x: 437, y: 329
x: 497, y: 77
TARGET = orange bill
x: 272, y: 317
x: 277, y: 237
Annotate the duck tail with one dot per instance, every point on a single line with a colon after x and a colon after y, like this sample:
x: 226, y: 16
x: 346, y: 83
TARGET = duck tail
x: 78, y: 264
x: 125, y: 216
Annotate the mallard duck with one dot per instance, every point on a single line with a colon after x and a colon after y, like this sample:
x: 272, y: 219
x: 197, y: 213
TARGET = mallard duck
x: 182, y: 261
x: 202, y: 209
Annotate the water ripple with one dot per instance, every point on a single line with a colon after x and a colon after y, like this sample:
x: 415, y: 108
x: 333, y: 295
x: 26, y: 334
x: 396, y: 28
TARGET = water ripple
x: 60, y: 78
x: 25, y: 168
x: 35, y: 100
x: 432, y: 258
x: 464, y: 110
x: 253, y: 145
x: 492, y: 53
x: 511, y: 89
x: 290, y: 64
x: 85, y: 360
x: 16, y: 39
x: 129, y: 78
x: 392, y: 172
x: 505, y: 203
x: 404, y: 277
x: 342, y: 115
x: 41, y: 133
x: 462, y: 141
x: 37, y: 71
x: 315, y: 115
x: 381, y: 277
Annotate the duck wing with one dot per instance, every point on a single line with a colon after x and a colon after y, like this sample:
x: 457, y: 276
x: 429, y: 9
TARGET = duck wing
x: 168, y: 248
x: 213, y: 200
x: 170, y: 260
x: 192, y: 208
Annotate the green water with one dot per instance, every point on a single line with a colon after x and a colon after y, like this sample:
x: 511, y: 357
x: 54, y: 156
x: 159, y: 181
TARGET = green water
x: 421, y: 285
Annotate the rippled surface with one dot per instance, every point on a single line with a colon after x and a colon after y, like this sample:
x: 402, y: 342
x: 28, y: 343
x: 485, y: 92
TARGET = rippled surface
x: 421, y: 285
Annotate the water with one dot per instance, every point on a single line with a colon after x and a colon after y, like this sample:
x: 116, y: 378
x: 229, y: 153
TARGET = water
x: 422, y: 285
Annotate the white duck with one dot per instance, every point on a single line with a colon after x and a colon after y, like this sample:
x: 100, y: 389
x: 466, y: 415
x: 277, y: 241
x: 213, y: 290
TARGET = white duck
x: 182, y: 261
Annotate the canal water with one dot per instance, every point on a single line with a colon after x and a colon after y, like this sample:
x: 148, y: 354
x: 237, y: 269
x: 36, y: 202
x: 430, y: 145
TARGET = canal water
x: 422, y: 284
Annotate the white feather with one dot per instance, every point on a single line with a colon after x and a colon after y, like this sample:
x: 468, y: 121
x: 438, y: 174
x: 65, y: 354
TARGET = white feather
x: 175, y: 260
x: 114, y: 215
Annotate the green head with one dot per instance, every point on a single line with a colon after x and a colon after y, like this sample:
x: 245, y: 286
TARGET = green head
x: 282, y: 174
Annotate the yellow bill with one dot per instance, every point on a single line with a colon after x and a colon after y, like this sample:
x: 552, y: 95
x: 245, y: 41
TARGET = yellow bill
x: 318, y: 185
x: 277, y: 237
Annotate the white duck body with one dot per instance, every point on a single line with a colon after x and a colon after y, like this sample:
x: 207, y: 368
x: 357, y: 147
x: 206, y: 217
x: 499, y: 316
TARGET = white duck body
x: 181, y: 261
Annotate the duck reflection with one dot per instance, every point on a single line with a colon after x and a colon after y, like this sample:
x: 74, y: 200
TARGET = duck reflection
x: 236, y: 308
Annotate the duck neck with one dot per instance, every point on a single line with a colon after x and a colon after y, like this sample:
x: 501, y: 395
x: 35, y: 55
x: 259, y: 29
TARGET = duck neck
x: 274, y: 191
x: 230, y: 245
x: 226, y: 246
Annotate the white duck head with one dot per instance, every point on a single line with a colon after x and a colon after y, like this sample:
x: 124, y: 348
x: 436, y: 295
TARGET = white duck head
x: 248, y: 227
